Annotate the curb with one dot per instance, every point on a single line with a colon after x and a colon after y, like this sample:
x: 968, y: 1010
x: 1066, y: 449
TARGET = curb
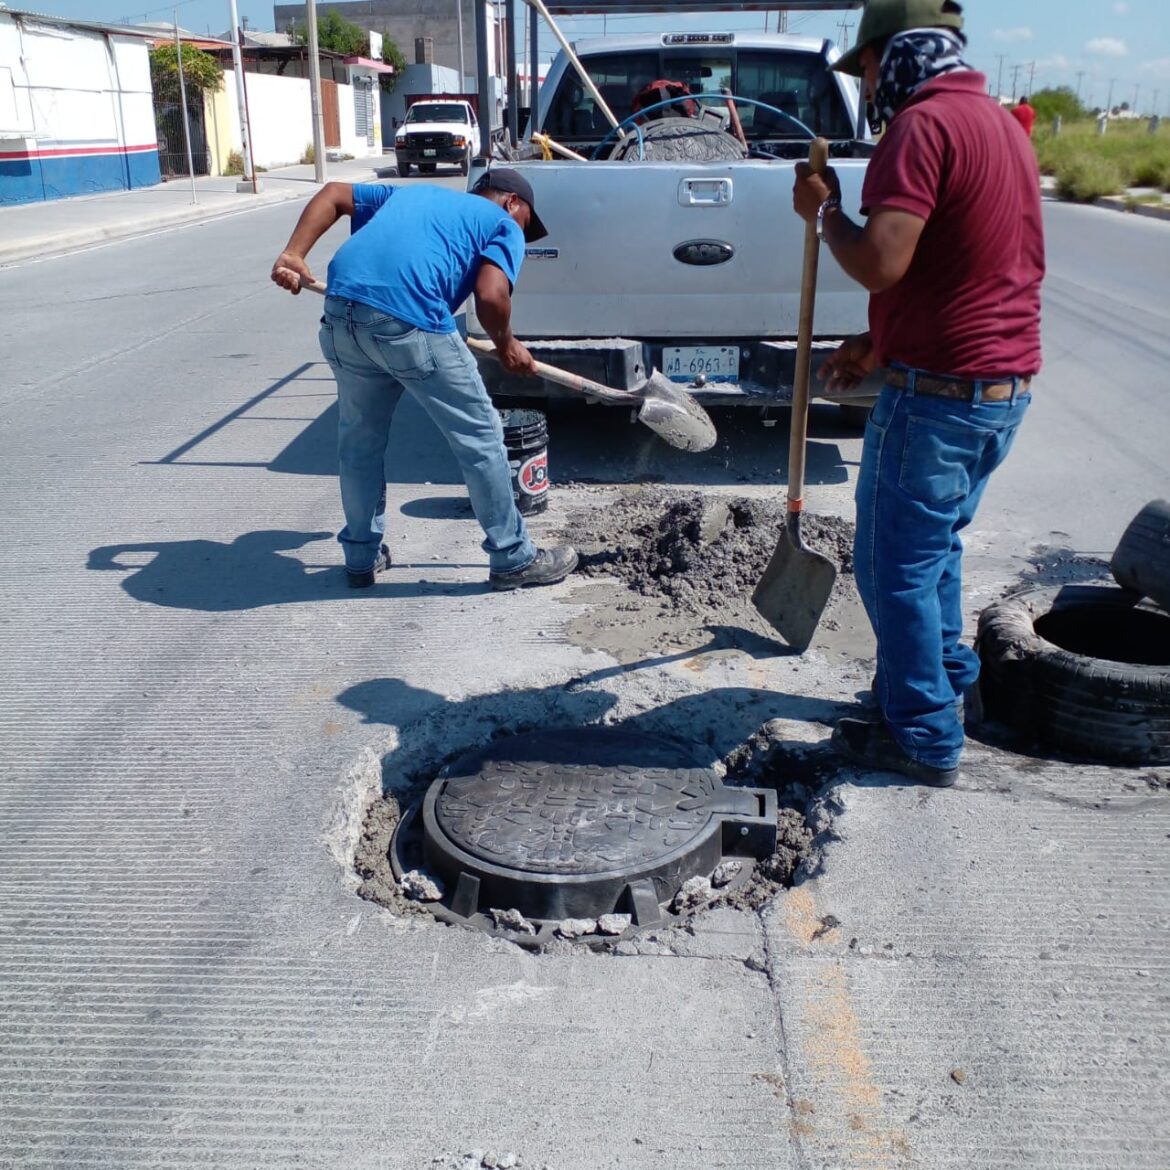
x: 1149, y: 210
x: 59, y: 243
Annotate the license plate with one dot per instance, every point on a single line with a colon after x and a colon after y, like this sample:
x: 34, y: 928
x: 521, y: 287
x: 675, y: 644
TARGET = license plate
x: 716, y: 363
x: 429, y: 153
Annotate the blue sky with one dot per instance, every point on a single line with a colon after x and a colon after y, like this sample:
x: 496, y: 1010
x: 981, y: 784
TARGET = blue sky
x: 1126, y: 41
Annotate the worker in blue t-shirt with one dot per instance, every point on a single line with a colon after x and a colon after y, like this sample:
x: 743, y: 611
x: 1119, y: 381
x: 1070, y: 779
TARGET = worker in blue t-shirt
x: 414, y: 255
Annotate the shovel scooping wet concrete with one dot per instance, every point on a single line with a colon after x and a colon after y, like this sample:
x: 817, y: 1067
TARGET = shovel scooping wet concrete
x: 795, y: 588
x: 669, y: 412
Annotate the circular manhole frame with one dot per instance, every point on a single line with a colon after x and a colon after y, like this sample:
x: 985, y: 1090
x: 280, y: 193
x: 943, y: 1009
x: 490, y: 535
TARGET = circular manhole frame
x: 739, y: 824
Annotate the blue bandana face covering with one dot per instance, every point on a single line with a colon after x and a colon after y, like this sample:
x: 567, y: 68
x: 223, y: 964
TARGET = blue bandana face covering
x: 911, y: 60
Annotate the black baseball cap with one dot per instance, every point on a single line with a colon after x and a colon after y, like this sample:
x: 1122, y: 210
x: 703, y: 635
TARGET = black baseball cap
x: 506, y: 179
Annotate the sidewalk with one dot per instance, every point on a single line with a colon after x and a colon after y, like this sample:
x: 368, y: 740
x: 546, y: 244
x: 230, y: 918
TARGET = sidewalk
x: 33, y: 231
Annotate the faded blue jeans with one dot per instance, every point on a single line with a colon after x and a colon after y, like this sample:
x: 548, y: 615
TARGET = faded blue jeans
x: 924, y: 466
x: 374, y: 358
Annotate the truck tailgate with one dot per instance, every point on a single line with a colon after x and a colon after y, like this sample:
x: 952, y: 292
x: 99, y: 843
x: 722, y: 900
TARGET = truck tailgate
x: 610, y: 270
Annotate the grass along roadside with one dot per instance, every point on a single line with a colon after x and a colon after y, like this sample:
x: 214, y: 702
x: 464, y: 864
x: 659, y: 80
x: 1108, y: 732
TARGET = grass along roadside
x: 1088, y: 165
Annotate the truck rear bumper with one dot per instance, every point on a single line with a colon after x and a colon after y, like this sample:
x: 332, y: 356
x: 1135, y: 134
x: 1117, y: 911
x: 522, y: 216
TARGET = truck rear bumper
x: 767, y: 369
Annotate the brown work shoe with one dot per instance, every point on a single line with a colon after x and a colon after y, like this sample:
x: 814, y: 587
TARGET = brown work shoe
x: 549, y: 566
x: 869, y: 744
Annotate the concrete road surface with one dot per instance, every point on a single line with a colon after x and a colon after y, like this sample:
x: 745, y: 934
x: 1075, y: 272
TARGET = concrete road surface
x: 196, y: 711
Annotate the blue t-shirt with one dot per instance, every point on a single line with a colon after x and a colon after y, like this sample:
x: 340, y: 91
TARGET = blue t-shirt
x: 415, y: 251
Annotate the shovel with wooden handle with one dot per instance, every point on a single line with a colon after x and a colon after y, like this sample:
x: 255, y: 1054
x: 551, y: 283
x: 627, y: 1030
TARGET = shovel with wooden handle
x: 794, y: 590
x: 667, y: 410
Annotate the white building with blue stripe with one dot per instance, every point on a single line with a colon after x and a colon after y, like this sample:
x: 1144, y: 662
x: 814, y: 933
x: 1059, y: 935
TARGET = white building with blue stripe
x: 76, y: 111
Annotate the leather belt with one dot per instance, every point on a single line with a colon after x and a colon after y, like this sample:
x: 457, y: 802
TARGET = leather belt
x: 932, y: 387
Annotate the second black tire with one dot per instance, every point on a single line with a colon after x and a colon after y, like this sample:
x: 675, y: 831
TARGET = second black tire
x: 1081, y: 669
x: 1141, y: 561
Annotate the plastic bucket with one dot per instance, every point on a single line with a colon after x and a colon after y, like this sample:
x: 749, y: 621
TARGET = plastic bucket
x: 526, y: 440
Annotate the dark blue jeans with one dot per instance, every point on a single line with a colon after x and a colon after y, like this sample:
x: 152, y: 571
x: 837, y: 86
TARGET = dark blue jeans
x: 924, y: 466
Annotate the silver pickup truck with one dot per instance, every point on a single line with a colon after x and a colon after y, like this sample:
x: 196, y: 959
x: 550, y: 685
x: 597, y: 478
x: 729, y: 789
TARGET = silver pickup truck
x: 672, y: 243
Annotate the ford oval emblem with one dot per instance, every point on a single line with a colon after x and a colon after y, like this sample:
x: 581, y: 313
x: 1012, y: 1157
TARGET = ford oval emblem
x: 704, y: 253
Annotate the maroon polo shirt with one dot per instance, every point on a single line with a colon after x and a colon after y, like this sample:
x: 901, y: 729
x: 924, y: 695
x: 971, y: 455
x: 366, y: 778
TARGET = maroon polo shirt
x: 969, y: 304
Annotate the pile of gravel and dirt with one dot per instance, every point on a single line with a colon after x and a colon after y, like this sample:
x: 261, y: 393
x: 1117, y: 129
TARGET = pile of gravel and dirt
x: 694, y: 553
x: 691, y: 563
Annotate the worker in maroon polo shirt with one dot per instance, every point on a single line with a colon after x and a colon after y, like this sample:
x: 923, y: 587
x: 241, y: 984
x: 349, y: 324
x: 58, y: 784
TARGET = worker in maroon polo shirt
x: 952, y: 253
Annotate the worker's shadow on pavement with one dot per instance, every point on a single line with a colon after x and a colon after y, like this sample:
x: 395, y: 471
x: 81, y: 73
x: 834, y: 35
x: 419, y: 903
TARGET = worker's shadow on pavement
x: 245, y: 573
x: 711, y: 723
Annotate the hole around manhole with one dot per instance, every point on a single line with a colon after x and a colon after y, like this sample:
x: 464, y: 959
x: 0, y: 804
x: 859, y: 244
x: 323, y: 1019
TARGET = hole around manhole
x: 393, y: 844
x: 1137, y: 637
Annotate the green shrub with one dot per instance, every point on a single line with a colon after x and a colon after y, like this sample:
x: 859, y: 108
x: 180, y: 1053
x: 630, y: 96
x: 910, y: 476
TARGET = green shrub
x: 310, y: 156
x: 1086, y: 177
x: 1150, y: 172
x: 235, y: 164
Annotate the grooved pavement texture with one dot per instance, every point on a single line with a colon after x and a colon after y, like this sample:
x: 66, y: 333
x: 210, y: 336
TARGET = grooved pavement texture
x: 194, y: 704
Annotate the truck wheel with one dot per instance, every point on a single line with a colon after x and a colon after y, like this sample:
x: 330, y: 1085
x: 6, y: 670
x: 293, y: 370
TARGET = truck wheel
x: 426, y: 168
x: 1082, y: 669
x: 1142, y: 559
x: 403, y: 168
x: 465, y: 164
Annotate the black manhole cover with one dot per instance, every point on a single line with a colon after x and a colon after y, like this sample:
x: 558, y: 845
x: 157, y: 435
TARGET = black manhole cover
x: 581, y: 823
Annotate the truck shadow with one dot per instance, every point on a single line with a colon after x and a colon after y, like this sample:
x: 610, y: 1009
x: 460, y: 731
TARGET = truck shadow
x: 290, y: 427
x: 602, y: 445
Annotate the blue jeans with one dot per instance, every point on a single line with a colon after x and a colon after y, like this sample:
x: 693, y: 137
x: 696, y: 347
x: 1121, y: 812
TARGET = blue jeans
x: 924, y: 466
x: 374, y: 358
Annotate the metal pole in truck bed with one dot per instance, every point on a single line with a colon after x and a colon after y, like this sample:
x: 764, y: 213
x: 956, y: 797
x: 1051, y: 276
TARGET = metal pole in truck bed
x: 510, y: 59
x: 481, y: 80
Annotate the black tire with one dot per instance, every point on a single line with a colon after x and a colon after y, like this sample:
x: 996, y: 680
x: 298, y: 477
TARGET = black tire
x: 1082, y: 669
x: 1141, y: 561
x: 403, y: 169
x: 465, y: 164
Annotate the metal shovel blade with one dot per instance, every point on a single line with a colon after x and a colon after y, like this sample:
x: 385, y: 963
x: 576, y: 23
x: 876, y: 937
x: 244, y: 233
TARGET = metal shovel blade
x: 794, y: 590
x: 675, y: 416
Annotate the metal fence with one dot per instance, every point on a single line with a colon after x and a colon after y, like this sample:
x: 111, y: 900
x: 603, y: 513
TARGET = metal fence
x: 172, y: 148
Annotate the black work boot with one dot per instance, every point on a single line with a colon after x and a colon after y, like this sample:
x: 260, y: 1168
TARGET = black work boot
x: 870, y: 744
x: 364, y: 578
x: 549, y: 566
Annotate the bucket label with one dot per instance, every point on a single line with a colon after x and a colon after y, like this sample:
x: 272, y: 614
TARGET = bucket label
x: 533, y: 475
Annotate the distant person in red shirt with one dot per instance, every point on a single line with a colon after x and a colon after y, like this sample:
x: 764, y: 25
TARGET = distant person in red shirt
x: 952, y: 253
x: 1025, y: 114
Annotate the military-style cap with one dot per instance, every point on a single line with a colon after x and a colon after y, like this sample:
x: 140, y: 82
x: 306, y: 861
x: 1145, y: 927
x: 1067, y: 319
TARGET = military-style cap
x: 884, y: 18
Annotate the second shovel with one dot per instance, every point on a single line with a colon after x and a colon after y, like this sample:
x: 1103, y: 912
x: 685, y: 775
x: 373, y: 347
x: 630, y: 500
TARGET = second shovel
x: 794, y: 590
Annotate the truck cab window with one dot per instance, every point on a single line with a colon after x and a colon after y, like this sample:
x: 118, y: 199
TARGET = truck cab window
x: 618, y: 76
x: 798, y: 84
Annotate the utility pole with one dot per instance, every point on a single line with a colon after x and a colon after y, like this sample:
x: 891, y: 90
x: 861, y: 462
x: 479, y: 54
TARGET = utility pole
x: 1136, y: 91
x: 245, y: 128
x: 1031, y: 77
x: 1015, y: 79
x: 843, y: 39
x: 315, y: 94
x: 1080, y: 77
x: 783, y: 18
x: 1109, y: 99
x: 183, y: 106
x: 999, y: 76
x: 462, y: 63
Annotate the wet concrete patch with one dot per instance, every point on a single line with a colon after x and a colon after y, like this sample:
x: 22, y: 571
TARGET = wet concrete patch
x: 686, y: 565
